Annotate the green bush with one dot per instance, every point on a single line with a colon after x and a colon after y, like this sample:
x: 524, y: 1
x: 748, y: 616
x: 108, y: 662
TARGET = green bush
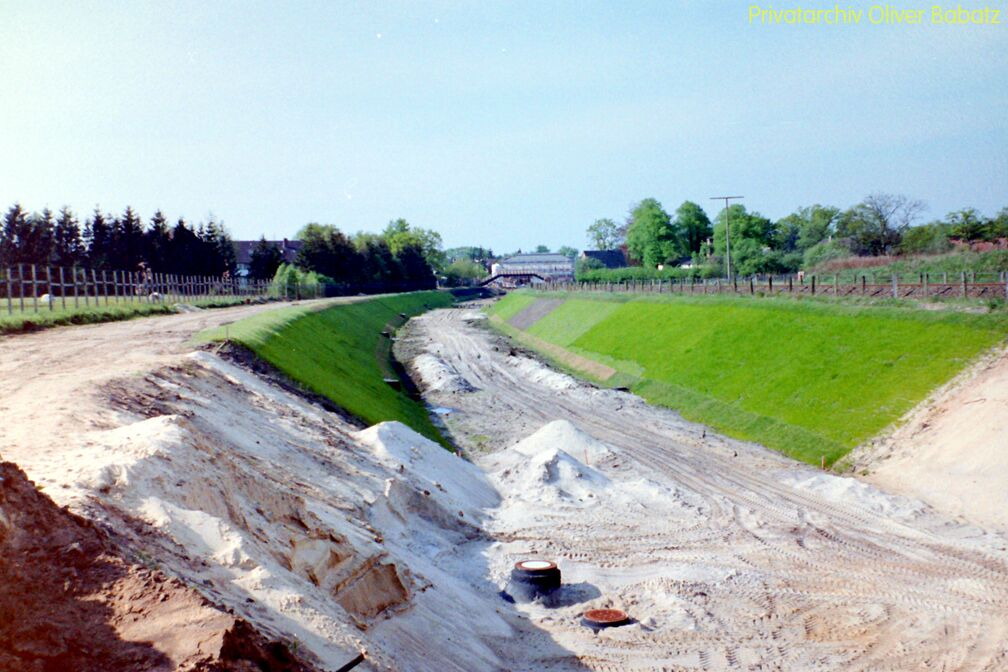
x: 583, y: 267
x: 827, y: 250
x: 927, y: 239
x: 463, y: 272
x: 637, y: 274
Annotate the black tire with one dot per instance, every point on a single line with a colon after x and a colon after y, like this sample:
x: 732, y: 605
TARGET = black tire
x: 533, y: 578
x: 534, y: 568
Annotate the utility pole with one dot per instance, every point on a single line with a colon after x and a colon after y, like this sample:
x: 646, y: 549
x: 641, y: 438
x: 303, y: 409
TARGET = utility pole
x: 727, y: 228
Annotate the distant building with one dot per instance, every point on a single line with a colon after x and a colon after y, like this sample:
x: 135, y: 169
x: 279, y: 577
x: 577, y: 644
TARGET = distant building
x: 609, y: 258
x: 244, y: 248
x: 548, y: 266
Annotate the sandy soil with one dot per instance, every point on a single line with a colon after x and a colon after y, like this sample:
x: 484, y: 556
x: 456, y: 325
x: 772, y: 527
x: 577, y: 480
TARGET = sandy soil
x: 728, y: 556
x: 331, y: 538
x: 71, y: 600
x: 952, y: 451
x: 322, y: 535
x: 49, y: 377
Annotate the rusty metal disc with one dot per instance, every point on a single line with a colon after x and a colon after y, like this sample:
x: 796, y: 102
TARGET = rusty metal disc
x: 605, y: 618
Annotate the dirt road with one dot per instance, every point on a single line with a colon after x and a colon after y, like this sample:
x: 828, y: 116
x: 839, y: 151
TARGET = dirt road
x: 49, y: 377
x: 744, y: 560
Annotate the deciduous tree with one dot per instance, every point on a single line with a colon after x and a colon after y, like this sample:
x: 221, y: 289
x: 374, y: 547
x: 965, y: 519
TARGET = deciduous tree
x: 603, y: 234
x: 652, y: 238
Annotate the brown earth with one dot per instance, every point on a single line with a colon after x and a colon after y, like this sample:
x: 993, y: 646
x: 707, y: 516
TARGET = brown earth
x: 70, y: 599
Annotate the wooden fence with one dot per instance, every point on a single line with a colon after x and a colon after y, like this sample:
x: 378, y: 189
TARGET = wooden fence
x: 992, y: 285
x: 34, y: 288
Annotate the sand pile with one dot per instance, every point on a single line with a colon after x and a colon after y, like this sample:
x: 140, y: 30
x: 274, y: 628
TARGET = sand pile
x: 850, y: 491
x: 438, y: 375
x: 330, y: 537
x: 71, y: 600
x: 534, y: 371
x: 542, y: 467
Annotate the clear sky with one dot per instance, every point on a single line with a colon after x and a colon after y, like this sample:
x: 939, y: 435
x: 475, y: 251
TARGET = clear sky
x: 501, y: 124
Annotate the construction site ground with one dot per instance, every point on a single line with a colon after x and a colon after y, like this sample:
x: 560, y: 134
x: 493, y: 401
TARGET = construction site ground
x: 267, y: 516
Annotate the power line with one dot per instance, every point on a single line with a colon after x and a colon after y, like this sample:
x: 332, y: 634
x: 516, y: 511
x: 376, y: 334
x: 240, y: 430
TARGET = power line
x: 728, y: 238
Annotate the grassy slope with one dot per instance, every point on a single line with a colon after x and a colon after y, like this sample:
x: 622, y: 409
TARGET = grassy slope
x: 516, y: 302
x: 44, y: 319
x: 571, y: 320
x: 809, y: 379
x: 29, y: 320
x: 332, y: 352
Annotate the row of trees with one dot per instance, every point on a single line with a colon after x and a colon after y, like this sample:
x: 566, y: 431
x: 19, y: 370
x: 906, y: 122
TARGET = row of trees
x: 400, y: 257
x: 881, y: 224
x: 108, y: 241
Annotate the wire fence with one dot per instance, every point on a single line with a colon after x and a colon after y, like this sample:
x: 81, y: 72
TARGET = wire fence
x: 35, y: 288
x: 925, y: 286
x: 32, y: 288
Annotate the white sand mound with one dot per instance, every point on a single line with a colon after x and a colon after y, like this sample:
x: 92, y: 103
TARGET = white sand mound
x: 439, y: 376
x: 543, y: 467
x: 440, y: 476
x: 473, y: 316
x: 532, y: 370
x: 563, y: 434
x: 852, y: 492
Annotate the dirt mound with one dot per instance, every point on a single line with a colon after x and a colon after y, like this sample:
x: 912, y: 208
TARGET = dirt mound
x: 71, y: 600
x: 440, y: 376
x: 950, y: 450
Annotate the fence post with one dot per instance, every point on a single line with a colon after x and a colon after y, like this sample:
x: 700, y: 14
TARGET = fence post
x: 10, y: 299
x: 836, y: 285
x: 769, y: 284
x: 813, y: 285
x: 34, y: 289
x: 752, y: 285
x: 48, y: 278
x: 21, y: 287
x: 924, y: 284
x: 964, y: 284
x: 77, y: 288
x: 62, y: 289
x: 895, y: 290
x: 94, y: 281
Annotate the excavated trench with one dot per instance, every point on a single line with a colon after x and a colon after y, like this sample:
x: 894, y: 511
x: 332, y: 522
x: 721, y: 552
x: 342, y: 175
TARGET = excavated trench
x: 327, y: 539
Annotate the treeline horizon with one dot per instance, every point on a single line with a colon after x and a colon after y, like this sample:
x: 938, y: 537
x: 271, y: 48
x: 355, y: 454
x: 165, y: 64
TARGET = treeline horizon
x: 107, y: 241
x: 880, y: 225
x: 401, y: 257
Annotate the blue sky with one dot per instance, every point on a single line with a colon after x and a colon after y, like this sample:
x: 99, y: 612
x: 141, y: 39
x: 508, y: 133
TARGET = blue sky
x: 502, y: 124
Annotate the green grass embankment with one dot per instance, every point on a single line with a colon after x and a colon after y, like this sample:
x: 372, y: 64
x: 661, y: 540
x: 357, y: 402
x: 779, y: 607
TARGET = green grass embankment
x: 338, y: 352
x: 19, y: 321
x: 809, y: 379
x: 28, y: 320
